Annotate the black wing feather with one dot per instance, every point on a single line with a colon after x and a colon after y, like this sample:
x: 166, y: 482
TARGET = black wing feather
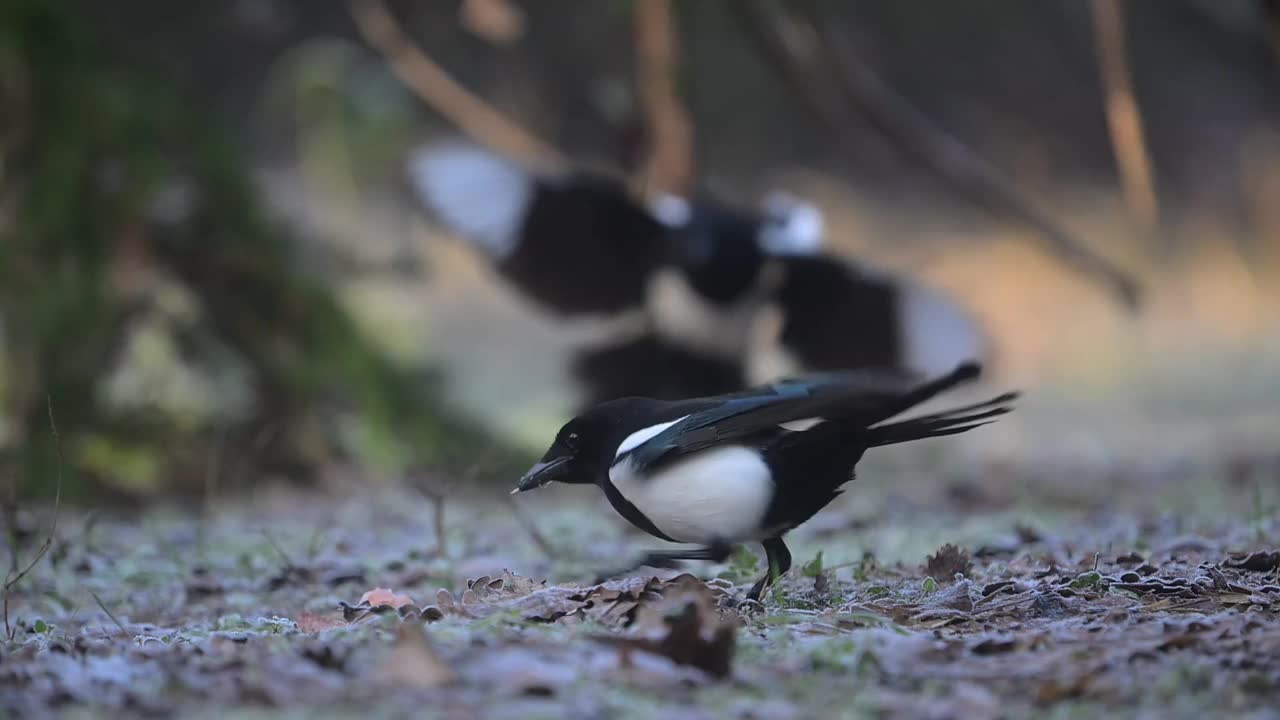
x: 834, y: 396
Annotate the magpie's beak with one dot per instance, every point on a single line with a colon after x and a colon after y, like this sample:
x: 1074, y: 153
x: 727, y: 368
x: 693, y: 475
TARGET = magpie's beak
x: 542, y: 473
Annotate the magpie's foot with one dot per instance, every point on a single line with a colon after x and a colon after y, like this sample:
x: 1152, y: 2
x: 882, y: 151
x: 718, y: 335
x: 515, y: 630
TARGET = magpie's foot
x: 757, y: 591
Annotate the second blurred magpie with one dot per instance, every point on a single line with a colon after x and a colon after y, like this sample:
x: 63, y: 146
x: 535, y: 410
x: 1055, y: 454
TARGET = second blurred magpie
x: 573, y: 242
x: 747, y: 466
x: 578, y: 243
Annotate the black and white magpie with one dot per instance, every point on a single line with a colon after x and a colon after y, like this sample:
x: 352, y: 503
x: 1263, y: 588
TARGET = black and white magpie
x: 723, y: 291
x: 746, y: 466
x: 834, y: 313
x: 578, y: 243
x: 573, y: 242
x: 652, y: 366
x: 757, y: 287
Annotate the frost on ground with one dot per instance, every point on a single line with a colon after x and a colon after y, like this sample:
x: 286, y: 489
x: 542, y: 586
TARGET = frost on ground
x: 336, y: 607
x: 954, y: 580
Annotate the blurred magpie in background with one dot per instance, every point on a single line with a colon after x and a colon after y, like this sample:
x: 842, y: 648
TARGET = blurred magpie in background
x: 573, y: 242
x: 729, y: 296
x: 746, y: 466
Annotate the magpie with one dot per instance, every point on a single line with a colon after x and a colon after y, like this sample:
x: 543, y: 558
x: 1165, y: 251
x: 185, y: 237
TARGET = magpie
x: 722, y: 291
x: 760, y: 288
x: 577, y: 242
x: 745, y: 466
x: 653, y: 366
x: 574, y: 243
x: 833, y: 313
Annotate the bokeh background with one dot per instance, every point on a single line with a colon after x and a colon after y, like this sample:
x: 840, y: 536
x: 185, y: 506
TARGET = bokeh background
x: 214, y: 276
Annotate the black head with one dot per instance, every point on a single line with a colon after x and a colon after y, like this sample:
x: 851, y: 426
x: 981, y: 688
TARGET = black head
x: 718, y: 250
x: 583, y: 449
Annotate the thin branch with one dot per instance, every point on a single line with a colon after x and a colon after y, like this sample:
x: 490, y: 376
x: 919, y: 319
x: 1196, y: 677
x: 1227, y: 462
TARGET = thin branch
x: 496, y: 21
x: 289, y: 564
x: 669, y: 165
x: 436, y: 496
x: 785, y: 56
x: 11, y: 581
x: 437, y: 520
x: 1124, y: 120
x: 530, y: 527
x: 438, y: 89
x: 103, y: 606
x: 1271, y: 16
x: 799, y: 43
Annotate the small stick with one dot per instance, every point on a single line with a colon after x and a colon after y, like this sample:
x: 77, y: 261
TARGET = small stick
x: 105, y: 609
x: 284, y: 557
x: 12, y: 580
x: 530, y: 527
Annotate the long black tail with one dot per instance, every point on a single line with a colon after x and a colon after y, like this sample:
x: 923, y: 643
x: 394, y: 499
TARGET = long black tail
x: 963, y: 373
x: 947, y: 422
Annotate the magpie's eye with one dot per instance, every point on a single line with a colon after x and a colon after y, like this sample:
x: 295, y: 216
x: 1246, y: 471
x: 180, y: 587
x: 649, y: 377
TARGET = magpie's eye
x: 571, y: 440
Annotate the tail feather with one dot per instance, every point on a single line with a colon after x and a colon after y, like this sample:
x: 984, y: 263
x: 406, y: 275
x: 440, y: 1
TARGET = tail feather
x: 878, y: 440
x: 963, y: 373
x: 949, y: 422
x: 998, y: 401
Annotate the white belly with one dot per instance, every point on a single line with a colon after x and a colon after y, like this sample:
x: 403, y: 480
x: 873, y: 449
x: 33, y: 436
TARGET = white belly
x: 720, y: 494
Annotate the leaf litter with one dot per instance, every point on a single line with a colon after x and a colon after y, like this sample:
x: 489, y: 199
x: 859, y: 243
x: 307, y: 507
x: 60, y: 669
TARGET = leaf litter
x: 153, y: 617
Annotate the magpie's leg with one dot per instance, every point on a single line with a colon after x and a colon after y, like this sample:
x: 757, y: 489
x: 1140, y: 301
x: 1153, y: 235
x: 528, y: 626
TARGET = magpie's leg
x: 779, y: 558
x: 715, y: 552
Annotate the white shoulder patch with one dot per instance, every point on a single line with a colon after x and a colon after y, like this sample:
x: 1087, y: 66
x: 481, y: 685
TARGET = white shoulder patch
x: 477, y: 194
x: 639, y: 437
x: 802, y: 425
x: 792, y: 226
x: 670, y: 210
x: 937, y: 332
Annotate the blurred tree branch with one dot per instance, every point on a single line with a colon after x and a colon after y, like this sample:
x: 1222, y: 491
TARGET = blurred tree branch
x: 1271, y: 16
x: 468, y: 112
x: 798, y: 42
x: 668, y: 166
x: 1124, y: 120
x: 497, y: 21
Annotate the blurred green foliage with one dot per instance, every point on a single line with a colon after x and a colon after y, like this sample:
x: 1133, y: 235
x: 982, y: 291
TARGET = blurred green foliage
x: 124, y: 206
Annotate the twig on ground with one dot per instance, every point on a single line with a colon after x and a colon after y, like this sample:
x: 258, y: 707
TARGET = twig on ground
x: 103, y: 606
x: 289, y: 565
x: 11, y: 580
x: 436, y: 498
x: 530, y: 527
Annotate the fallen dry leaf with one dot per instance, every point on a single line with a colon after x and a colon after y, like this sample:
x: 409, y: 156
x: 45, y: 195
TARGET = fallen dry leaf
x: 378, y: 597
x: 684, y: 626
x: 316, y: 622
x: 1261, y: 561
x: 948, y: 562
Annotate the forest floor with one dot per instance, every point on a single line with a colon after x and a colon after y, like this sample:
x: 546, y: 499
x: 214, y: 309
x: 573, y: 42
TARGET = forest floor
x: 1145, y: 589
